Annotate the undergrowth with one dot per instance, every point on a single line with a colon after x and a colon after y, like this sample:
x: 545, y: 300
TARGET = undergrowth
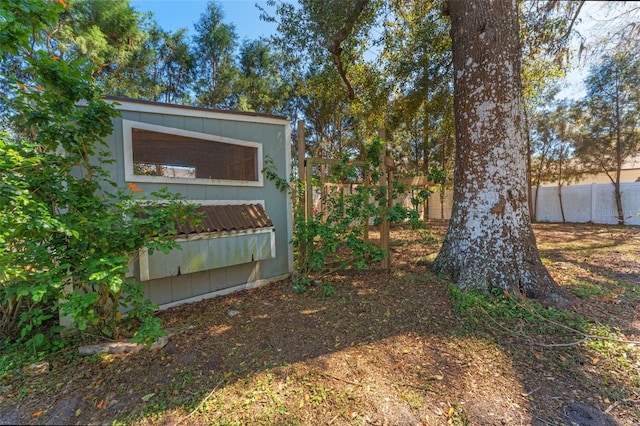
x: 514, y: 315
x: 574, y: 340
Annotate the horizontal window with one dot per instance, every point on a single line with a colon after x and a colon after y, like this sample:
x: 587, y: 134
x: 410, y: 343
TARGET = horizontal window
x: 162, y: 154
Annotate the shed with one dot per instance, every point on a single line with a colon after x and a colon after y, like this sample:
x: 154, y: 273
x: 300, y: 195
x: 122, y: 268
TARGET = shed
x: 213, y: 158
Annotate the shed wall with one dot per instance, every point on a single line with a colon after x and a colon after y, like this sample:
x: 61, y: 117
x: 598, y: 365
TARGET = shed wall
x: 274, y: 137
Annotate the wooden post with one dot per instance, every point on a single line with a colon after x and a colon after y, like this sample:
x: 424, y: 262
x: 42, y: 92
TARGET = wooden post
x: 323, y: 191
x: 301, y: 198
x: 390, y: 168
x: 384, y: 225
x: 366, y: 182
x: 309, y: 191
x: 301, y: 150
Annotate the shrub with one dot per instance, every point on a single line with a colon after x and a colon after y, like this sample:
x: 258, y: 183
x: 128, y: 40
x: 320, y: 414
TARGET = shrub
x: 67, y: 234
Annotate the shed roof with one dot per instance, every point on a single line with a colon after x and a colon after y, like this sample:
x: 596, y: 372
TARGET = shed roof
x: 192, y: 109
x: 227, y: 218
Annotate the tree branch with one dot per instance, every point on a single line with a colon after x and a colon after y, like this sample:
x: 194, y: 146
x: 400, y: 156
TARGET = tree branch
x: 573, y: 20
x: 336, y: 47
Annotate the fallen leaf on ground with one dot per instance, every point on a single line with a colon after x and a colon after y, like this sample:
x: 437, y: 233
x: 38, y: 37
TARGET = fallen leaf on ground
x: 148, y: 396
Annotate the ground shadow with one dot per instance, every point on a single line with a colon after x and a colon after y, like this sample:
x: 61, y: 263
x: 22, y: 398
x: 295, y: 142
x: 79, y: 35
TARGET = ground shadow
x: 386, y: 348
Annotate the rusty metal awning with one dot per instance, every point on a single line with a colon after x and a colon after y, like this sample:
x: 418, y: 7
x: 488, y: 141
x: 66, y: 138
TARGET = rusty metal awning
x: 224, y: 218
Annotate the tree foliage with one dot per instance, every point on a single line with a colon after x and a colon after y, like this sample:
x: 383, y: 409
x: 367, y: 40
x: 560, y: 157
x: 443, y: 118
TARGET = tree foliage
x: 67, y: 235
x: 111, y: 35
x: 609, y: 118
x: 169, y: 73
x: 552, y: 143
x: 337, y: 90
x: 214, y: 45
x: 260, y: 86
x: 418, y: 65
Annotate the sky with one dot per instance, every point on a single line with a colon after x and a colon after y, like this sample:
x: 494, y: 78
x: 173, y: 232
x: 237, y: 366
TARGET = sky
x: 594, y: 21
x: 243, y: 14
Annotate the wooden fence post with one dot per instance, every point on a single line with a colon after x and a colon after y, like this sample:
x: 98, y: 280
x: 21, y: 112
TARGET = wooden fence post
x: 301, y: 196
x: 366, y: 181
x: 301, y: 150
x: 384, y: 225
x: 308, y: 192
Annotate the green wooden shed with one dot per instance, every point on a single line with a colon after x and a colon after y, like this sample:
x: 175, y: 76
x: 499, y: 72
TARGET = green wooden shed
x: 213, y: 158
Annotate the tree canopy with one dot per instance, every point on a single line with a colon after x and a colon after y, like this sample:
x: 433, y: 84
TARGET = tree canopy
x: 347, y: 68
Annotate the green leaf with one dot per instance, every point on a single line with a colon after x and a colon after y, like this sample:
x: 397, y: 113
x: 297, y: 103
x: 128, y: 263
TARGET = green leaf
x: 148, y: 396
x: 38, y: 339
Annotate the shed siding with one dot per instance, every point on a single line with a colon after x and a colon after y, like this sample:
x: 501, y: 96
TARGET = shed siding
x: 274, y: 140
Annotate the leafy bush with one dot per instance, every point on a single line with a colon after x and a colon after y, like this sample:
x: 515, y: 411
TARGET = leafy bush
x: 67, y: 234
x: 333, y: 237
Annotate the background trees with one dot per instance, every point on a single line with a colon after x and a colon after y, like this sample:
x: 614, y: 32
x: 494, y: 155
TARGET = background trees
x: 336, y: 87
x: 260, y: 87
x: 609, y: 118
x: 595, y: 134
x: 214, y: 45
x: 551, y: 141
x: 419, y: 70
x: 172, y: 71
x: 111, y: 35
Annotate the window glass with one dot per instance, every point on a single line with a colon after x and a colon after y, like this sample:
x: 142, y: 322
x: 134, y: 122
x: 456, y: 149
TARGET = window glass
x: 174, y: 156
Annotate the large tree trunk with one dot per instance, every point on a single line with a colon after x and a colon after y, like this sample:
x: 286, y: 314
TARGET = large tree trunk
x: 490, y: 242
x: 532, y: 211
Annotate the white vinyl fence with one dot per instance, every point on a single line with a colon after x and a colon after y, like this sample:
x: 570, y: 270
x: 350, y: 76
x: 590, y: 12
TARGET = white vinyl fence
x: 589, y: 203
x: 581, y: 203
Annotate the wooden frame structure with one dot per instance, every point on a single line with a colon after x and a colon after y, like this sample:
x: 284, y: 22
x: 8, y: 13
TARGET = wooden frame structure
x: 305, y: 174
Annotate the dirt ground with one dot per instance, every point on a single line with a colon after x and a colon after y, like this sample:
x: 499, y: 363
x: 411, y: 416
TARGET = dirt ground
x: 386, y: 349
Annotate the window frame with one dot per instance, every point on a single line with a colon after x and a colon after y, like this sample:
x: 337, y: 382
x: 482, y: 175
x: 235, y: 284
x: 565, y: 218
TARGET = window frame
x: 130, y: 176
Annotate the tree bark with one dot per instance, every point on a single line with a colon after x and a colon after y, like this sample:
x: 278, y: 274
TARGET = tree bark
x: 490, y: 242
x: 532, y: 212
x: 564, y: 219
x: 617, y: 192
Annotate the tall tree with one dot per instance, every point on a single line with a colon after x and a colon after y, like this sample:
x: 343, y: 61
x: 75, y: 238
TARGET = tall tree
x: 552, y: 143
x: 110, y: 34
x: 610, y: 118
x: 259, y: 87
x: 490, y: 242
x: 326, y: 41
x: 176, y: 67
x: 215, y: 43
